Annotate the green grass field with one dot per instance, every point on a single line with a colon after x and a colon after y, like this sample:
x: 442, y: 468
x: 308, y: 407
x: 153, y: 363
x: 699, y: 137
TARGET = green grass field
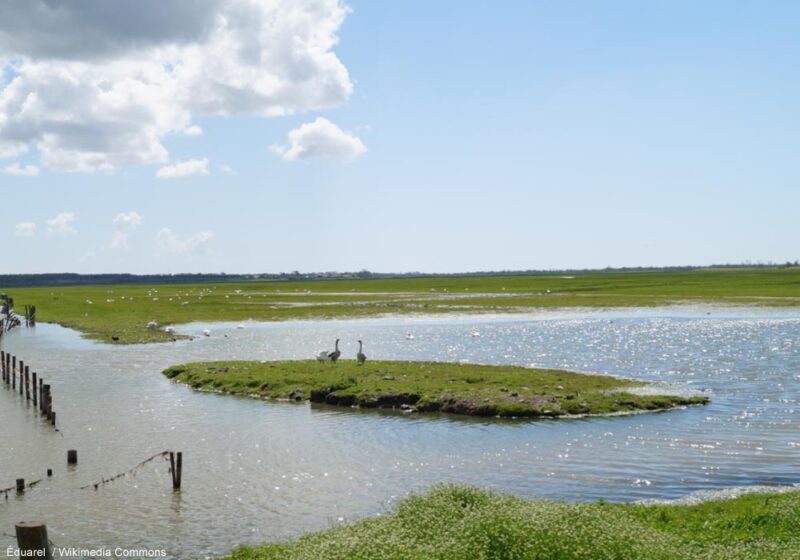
x: 103, y: 312
x: 477, y: 390
x: 461, y: 523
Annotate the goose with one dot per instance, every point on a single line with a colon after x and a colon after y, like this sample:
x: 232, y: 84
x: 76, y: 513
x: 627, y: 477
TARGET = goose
x: 409, y: 336
x: 322, y: 356
x: 206, y: 332
x: 333, y: 356
x: 361, y: 357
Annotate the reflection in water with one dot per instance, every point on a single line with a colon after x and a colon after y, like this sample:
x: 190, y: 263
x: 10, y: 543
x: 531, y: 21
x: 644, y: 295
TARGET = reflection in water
x: 256, y: 471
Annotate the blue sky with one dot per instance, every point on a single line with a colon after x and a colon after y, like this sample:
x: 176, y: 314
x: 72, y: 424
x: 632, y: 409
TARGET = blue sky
x: 466, y: 136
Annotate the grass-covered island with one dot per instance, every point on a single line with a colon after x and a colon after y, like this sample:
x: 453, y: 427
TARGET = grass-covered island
x: 458, y: 523
x: 478, y: 390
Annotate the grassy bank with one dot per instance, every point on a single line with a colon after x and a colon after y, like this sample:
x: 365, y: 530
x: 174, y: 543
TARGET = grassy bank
x: 105, y: 312
x: 477, y: 390
x: 458, y: 523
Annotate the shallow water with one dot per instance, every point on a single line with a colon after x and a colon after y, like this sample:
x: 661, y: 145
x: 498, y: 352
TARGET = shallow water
x: 256, y: 471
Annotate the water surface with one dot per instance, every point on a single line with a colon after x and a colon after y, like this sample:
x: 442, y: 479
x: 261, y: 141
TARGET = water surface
x: 256, y: 471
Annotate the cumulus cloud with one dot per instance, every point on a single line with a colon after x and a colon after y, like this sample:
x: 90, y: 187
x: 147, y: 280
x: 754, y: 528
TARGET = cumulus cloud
x: 193, y: 130
x: 92, y: 29
x: 97, y: 85
x: 183, y: 169
x: 62, y: 224
x: 320, y: 139
x: 119, y: 240
x: 21, y: 170
x: 130, y: 220
x: 227, y: 170
x: 24, y: 229
x: 124, y: 223
x: 169, y: 242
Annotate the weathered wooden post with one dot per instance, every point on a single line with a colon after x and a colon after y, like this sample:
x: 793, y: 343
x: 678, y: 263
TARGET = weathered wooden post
x: 13, y: 372
x: 27, y: 383
x: 49, y: 472
x: 32, y: 540
x: 35, y: 391
x: 3, y: 364
x: 21, y: 371
x: 41, y: 394
x: 72, y: 457
x: 20, y: 486
x: 46, y: 401
x: 53, y: 418
x: 176, y: 469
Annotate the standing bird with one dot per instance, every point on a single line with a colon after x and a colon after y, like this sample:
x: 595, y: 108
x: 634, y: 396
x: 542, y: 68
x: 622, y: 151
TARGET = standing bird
x: 333, y: 356
x: 322, y: 356
x: 361, y: 357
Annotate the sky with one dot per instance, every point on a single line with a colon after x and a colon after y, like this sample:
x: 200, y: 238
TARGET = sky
x: 247, y: 136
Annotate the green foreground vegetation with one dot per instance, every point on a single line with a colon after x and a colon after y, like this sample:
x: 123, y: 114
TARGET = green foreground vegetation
x: 121, y: 313
x: 462, y: 523
x: 477, y: 390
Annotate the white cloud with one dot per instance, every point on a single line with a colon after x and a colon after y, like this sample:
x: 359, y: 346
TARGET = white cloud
x: 87, y: 256
x: 119, y: 240
x: 131, y: 220
x: 124, y: 222
x: 24, y: 229
x: 169, y: 242
x: 62, y: 224
x: 183, y: 169
x: 320, y: 139
x: 95, y: 89
x: 21, y: 171
x: 227, y: 170
x: 193, y: 130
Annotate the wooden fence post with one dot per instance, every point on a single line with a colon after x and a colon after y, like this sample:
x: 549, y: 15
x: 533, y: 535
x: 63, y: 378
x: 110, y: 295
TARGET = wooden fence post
x: 46, y: 400
x: 32, y: 540
x: 27, y: 383
x: 72, y: 457
x: 20, y: 485
x: 176, y: 469
x: 180, y: 468
x: 35, y: 391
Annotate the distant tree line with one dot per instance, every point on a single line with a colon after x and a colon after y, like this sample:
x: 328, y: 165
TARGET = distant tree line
x: 72, y: 279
